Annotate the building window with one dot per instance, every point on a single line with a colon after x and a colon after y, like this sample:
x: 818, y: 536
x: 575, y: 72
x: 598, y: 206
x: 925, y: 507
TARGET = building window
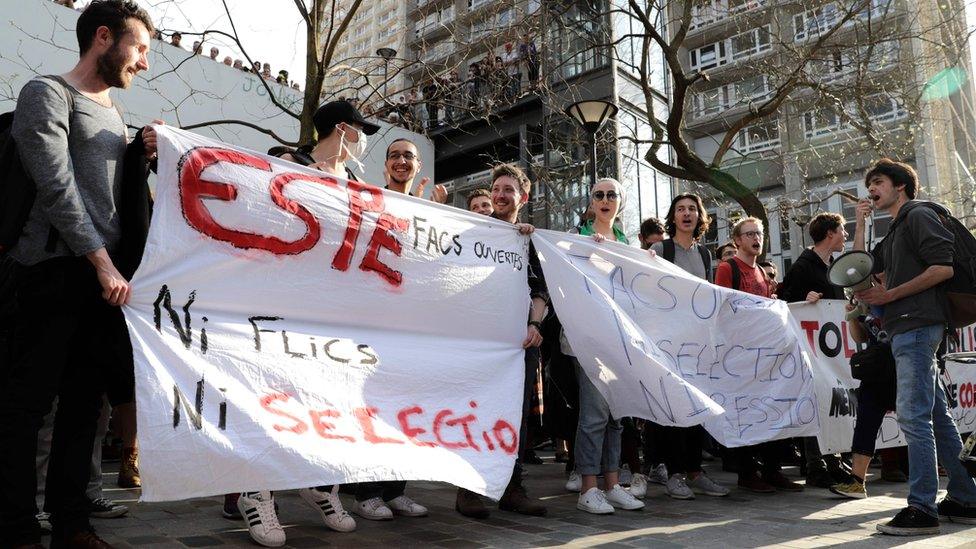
x: 736, y: 48
x: 785, y: 241
x: 708, y: 57
x: 712, y: 11
x: 750, y: 43
x: 814, y: 22
x: 822, y: 122
x: 759, y: 137
x: 729, y: 96
x: 881, y: 108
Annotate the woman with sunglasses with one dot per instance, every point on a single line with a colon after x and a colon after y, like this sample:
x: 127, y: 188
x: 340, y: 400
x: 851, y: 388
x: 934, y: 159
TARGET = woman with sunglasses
x: 597, y: 445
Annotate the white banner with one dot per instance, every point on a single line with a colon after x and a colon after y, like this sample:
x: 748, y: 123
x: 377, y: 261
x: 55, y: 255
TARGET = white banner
x: 293, y: 329
x: 664, y: 345
x: 830, y: 344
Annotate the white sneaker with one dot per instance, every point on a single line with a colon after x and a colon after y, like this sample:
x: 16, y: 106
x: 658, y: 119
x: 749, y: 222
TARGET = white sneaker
x: 622, y: 499
x: 704, y: 485
x: 258, y: 511
x: 404, y: 506
x: 624, y: 476
x: 677, y: 488
x: 659, y: 475
x: 373, y: 509
x: 638, y: 486
x: 594, y: 501
x: 574, y: 483
x: 329, y: 507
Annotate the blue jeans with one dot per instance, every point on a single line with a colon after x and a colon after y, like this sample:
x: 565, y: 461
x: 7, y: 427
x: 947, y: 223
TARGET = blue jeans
x: 598, y: 433
x: 923, y: 416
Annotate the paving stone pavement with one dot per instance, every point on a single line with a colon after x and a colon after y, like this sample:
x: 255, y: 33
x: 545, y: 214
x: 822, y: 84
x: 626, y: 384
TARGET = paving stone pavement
x: 813, y: 518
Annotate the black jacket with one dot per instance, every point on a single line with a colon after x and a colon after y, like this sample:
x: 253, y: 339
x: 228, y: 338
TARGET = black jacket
x: 135, y: 208
x: 916, y: 240
x: 808, y: 274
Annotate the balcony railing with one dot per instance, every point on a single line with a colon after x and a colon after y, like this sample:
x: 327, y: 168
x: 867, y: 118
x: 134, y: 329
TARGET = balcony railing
x: 736, y: 48
x: 729, y: 96
x: 714, y: 11
x: 814, y: 22
x: 881, y: 108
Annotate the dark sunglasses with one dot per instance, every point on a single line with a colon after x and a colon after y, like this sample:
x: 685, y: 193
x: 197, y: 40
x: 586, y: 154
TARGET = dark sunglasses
x: 609, y: 195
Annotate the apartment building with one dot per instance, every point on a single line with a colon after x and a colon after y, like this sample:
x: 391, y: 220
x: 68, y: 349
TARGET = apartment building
x: 878, y: 74
x: 577, y: 59
x: 357, y: 69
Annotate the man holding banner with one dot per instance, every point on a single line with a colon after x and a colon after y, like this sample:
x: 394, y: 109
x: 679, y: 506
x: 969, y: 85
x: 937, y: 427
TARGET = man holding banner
x: 807, y: 281
x: 71, y: 141
x: 742, y: 273
x: 382, y: 500
x: 915, y: 257
x: 510, y: 190
x: 686, y: 221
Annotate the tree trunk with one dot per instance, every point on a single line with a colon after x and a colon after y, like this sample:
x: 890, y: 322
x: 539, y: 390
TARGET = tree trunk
x: 728, y: 185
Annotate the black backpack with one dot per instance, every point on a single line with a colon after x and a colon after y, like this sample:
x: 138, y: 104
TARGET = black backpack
x: 17, y: 191
x: 736, y: 273
x: 961, y: 288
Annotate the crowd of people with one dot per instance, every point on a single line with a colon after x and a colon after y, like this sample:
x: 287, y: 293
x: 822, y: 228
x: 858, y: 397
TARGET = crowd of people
x: 447, y: 99
x: 262, y: 70
x: 70, y: 369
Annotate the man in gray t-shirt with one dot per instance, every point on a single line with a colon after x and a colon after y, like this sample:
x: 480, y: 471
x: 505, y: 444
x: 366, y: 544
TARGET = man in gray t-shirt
x: 71, y: 141
x: 681, y: 447
x: 690, y: 259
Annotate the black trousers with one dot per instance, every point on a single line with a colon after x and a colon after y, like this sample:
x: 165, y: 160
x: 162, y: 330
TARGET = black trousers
x: 59, y: 349
x: 387, y: 490
x: 770, y: 453
x: 524, y: 445
x: 679, y: 448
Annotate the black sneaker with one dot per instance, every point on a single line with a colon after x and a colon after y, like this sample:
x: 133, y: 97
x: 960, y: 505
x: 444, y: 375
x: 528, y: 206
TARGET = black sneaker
x: 103, y: 508
x: 910, y: 522
x: 956, y: 512
x: 230, y: 510
x: 819, y: 477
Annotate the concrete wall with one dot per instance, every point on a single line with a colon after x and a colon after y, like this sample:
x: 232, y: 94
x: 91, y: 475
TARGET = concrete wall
x: 38, y: 37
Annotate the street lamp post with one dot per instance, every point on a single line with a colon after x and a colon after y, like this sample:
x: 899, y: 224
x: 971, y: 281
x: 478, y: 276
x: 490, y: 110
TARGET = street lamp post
x: 591, y: 115
x: 386, y: 54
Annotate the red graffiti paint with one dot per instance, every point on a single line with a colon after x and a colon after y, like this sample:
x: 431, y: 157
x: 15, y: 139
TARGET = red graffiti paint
x: 365, y: 417
x: 298, y: 426
x: 383, y: 239
x: 359, y: 426
x: 439, y: 421
x: 194, y: 190
x: 324, y: 428
x: 501, y: 427
x: 403, y: 416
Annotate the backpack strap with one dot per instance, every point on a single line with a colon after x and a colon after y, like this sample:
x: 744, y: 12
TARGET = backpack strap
x: 668, y: 250
x: 706, y: 260
x: 736, y: 273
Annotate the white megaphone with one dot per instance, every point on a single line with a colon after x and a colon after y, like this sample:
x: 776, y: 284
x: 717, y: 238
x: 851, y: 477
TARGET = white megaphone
x: 852, y: 270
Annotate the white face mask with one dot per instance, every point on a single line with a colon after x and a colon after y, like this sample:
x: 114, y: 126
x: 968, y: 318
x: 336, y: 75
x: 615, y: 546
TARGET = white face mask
x: 357, y: 149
